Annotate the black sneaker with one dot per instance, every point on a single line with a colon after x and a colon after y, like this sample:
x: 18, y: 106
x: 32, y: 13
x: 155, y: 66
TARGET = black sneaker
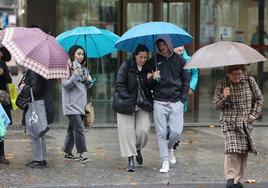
x: 35, y: 164
x: 83, y: 158
x: 131, y: 165
x: 139, y: 157
x: 70, y: 156
x: 176, y: 144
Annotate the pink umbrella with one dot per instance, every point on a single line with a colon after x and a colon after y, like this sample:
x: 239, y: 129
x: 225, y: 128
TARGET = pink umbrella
x: 36, y: 50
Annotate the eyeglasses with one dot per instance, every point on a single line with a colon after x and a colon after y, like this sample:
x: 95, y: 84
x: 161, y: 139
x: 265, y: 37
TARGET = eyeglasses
x: 236, y: 73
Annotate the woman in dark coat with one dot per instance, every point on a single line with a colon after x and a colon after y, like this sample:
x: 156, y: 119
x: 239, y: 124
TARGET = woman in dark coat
x: 5, y: 78
x: 240, y: 101
x: 39, y: 89
x: 133, y: 118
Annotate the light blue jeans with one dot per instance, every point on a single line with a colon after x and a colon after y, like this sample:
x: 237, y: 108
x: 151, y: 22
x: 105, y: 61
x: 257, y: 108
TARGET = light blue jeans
x: 168, y: 115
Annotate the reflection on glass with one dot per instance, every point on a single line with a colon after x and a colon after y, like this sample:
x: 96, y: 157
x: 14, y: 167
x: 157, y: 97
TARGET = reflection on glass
x: 139, y: 13
x: 102, y: 14
x: 235, y: 20
x: 177, y: 13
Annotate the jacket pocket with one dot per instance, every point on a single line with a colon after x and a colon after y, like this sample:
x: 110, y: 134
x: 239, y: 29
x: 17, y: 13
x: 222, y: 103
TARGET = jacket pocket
x: 228, y: 126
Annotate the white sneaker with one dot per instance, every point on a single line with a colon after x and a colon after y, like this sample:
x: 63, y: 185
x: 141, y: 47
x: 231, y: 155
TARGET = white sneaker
x: 171, y: 156
x: 165, y: 167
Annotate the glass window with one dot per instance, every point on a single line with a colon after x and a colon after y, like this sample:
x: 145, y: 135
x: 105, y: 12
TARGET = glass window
x: 228, y: 20
x: 177, y: 13
x: 144, y: 10
x: 102, y: 14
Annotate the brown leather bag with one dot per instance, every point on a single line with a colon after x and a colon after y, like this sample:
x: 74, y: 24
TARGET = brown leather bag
x: 89, y: 115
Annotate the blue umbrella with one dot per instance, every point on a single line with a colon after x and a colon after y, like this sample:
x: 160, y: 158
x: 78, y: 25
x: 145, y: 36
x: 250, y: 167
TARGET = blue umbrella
x: 96, y: 42
x: 146, y: 34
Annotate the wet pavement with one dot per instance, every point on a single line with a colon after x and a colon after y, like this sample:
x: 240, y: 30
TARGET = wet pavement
x: 199, y: 162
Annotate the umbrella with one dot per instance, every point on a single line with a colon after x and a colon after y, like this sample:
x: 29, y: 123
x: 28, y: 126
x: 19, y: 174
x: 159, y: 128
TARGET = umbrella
x: 146, y: 34
x: 224, y: 53
x: 36, y: 50
x: 96, y: 42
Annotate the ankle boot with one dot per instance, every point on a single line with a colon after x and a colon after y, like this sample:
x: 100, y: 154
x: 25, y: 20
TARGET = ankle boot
x: 230, y: 183
x: 131, y: 165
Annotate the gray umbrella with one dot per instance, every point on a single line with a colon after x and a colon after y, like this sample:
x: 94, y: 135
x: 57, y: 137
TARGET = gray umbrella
x: 224, y: 54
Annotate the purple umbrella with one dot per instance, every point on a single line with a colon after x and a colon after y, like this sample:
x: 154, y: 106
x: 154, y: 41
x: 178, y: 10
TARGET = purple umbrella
x: 36, y: 50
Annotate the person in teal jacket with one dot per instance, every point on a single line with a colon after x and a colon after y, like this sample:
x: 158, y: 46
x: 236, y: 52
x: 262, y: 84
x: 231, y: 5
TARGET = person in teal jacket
x: 193, y: 83
x: 193, y: 73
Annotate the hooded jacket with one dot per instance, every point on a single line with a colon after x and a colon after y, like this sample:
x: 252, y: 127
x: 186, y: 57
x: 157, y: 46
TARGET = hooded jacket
x: 173, y: 85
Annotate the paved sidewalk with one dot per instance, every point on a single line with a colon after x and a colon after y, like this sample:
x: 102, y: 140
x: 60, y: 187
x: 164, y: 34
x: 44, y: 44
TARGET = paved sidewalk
x: 200, y: 162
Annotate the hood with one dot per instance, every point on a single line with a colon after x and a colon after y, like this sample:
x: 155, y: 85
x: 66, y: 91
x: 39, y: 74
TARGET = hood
x: 168, y: 40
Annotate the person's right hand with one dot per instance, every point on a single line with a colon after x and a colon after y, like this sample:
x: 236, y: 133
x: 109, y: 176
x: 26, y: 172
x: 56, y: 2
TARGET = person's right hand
x: 1, y: 71
x: 156, y: 75
x: 226, y: 91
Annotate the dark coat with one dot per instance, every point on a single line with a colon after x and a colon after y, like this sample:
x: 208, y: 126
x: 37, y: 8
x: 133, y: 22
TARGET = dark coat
x: 234, y: 120
x: 173, y: 85
x: 4, y: 80
x: 126, y: 90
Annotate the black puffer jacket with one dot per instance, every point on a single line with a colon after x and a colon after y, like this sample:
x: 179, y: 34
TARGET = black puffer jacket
x: 4, y: 80
x: 173, y: 85
x: 125, y: 96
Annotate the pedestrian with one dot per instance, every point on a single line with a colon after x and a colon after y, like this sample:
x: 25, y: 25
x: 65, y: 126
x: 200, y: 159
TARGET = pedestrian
x: 170, y: 83
x: 133, y: 103
x: 240, y: 102
x: 32, y: 80
x: 5, y: 78
x: 74, y: 100
x: 193, y: 83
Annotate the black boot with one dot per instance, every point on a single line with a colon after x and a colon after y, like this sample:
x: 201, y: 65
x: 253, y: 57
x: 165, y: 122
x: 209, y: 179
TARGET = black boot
x: 139, y: 157
x: 131, y: 165
x: 238, y: 185
x: 230, y: 183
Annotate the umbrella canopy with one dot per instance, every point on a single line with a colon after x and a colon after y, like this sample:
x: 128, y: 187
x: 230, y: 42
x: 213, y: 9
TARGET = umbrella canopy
x: 146, y: 34
x: 224, y: 54
x: 36, y: 50
x: 96, y: 42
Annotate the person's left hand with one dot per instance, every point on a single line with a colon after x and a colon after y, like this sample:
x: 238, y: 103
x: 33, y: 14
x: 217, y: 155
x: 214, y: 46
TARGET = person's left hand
x: 88, y: 78
x: 251, y: 118
x: 190, y: 92
x: 1, y: 71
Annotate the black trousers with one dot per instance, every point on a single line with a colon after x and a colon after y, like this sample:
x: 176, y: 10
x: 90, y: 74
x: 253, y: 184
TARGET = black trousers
x: 2, y: 148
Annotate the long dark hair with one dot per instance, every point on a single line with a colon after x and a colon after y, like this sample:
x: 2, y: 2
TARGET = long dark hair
x: 72, y: 51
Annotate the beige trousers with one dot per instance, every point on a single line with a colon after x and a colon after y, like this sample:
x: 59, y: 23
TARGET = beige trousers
x: 133, y: 132
x: 235, y: 166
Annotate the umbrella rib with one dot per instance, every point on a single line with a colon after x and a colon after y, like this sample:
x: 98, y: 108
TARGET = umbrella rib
x: 95, y: 45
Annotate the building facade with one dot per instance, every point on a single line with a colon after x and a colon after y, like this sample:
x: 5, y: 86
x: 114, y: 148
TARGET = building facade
x: 206, y: 20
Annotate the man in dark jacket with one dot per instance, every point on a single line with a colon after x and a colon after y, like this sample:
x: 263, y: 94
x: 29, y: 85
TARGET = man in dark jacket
x: 170, y: 83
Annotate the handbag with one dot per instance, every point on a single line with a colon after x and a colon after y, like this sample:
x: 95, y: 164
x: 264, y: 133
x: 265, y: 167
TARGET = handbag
x: 89, y: 115
x: 13, y: 95
x: 3, y: 130
x: 4, y: 97
x: 35, y: 118
x: 4, y: 116
x: 142, y: 100
x: 254, y: 99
